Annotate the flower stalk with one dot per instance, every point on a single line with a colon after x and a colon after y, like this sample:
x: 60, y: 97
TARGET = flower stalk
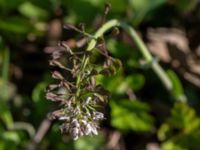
x: 141, y: 46
x: 80, y: 97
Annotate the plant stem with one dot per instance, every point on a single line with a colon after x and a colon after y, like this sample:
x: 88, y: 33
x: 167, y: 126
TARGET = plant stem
x: 140, y: 44
x: 25, y: 126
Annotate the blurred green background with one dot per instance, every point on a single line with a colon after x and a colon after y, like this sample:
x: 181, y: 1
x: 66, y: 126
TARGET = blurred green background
x: 141, y: 114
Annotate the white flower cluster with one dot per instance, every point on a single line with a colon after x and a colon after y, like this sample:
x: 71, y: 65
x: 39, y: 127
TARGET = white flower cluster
x: 76, y: 91
x: 80, y: 121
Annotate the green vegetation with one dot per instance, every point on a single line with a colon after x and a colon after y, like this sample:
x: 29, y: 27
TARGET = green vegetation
x: 131, y: 64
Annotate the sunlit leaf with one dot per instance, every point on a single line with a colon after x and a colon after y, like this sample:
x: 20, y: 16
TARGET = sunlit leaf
x: 131, y: 115
x: 32, y: 11
x: 185, y: 122
x: 97, y: 143
x: 177, y: 91
x: 11, y: 136
x: 6, y: 115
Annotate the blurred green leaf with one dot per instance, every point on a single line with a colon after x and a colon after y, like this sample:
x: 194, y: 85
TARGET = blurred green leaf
x: 164, y: 131
x: 169, y: 145
x: 118, y: 6
x: 184, y: 117
x: 184, y: 5
x: 5, y: 115
x: 4, y: 145
x: 16, y: 25
x: 111, y: 83
x: 135, y: 81
x: 131, y: 115
x: 186, y: 123
x: 177, y: 91
x: 83, y: 10
x: 45, y: 4
x: 11, y: 136
x: 142, y: 8
x: 38, y: 92
x: 32, y: 11
x: 129, y: 56
x: 117, y: 84
x: 4, y: 64
x: 90, y: 143
x: 119, y: 49
x: 184, y: 141
x: 8, y: 5
x: 40, y: 101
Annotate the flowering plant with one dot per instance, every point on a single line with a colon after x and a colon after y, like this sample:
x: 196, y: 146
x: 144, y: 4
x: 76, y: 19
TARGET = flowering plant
x: 80, y: 97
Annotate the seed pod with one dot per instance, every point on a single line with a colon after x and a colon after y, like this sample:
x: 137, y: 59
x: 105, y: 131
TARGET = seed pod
x: 57, y: 75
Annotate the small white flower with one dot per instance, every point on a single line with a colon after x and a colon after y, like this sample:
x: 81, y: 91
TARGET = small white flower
x: 88, y: 129
x: 98, y: 115
x: 84, y: 122
x: 77, y: 110
x: 63, y: 118
x: 62, y: 91
x: 75, y: 123
x: 75, y: 138
x: 94, y: 131
x: 75, y: 132
x: 88, y: 100
x: 81, y: 133
x: 88, y: 114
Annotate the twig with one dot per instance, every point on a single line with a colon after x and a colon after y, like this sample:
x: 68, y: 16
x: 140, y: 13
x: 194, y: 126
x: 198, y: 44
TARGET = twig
x: 41, y: 132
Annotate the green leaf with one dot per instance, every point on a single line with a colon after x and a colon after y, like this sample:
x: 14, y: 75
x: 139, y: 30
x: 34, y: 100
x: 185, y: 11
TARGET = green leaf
x: 110, y: 83
x: 32, y: 11
x: 4, y: 64
x: 16, y: 25
x: 131, y: 115
x: 177, y: 91
x: 184, y: 117
x: 170, y: 145
x: 6, y: 116
x: 185, y: 5
x: 185, y: 122
x: 119, y: 49
x: 11, y: 136
x: 8, y: 5
x: 164, y: 131
x: 183, y: 141
x: 92, y: 143
x: 142, y: 8
x: 118, y: 6
x: 135, y: 81
x: 38, y: 92
x: 77, y: 7
x: 118, y: 84
x: 127, y: 54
